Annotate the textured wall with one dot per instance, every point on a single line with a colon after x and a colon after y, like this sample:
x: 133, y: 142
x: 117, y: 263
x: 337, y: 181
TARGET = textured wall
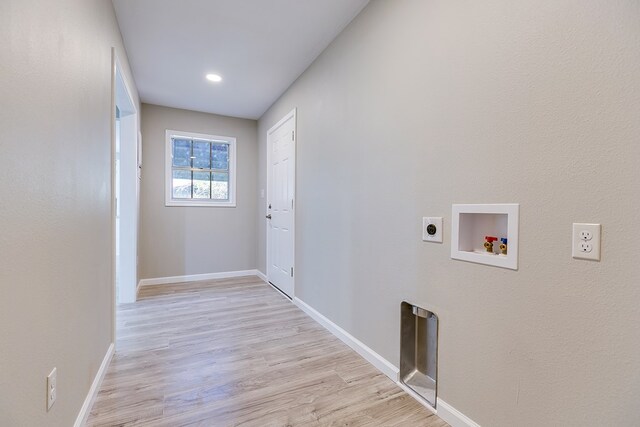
x: 176, y: 241
x: 420, y: 104
x: 55, y: 214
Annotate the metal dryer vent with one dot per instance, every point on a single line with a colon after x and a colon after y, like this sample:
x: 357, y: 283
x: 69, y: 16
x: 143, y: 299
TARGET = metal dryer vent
x: 419, y: 351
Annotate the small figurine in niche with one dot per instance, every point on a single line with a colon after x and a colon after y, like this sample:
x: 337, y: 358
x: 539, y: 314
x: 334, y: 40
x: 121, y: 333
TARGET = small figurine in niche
x: 503, y: 246
x: 488, y: 244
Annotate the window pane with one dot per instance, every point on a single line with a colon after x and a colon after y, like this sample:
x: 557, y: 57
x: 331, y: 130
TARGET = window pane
x: 201, y: 185
x: 181, y: 184
x: 201, y: 154
x: 181, y: 152
x: 220, y: 155
x: 220, y: 186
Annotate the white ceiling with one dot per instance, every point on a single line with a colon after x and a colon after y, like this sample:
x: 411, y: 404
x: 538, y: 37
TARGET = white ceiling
x: 259, y: 47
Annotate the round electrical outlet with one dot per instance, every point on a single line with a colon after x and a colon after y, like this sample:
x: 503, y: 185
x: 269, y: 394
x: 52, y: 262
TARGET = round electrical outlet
x: 431, y: 229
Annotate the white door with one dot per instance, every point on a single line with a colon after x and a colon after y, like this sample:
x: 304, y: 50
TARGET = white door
x: 280, y: 203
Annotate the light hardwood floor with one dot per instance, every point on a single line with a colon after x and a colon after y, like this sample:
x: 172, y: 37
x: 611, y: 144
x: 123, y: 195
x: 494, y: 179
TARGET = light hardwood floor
x: 235, y: 352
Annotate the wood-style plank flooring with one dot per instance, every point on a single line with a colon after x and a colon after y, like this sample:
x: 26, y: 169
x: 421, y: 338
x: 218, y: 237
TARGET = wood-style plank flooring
x: 235, y: 352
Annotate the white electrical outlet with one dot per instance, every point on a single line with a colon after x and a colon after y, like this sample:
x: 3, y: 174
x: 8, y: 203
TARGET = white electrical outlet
x: 52, y: 388
x: 586, y: 241
x: 586, y: 235
x: 432, y: 229
x: 585, y: 247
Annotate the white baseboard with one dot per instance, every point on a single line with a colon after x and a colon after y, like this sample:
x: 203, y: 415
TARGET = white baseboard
x: 371, y: 356
x: 95, y: 388
x: 198, y: 277
x: 453, y: 417
x: 261, y: 275
x: 138, y: 288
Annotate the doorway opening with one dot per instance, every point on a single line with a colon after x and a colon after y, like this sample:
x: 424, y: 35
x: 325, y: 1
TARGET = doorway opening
x: 125, y: 189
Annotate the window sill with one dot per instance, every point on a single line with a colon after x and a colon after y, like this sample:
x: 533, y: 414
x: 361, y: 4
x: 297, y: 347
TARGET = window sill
x: 200, y: 204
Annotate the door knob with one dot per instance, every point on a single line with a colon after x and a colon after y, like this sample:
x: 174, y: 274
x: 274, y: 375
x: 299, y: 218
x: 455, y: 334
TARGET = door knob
x: 268, y: 216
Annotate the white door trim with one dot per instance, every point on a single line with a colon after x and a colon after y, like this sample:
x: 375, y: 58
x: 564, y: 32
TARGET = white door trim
x: 118, y: 75
x: 288, y: 116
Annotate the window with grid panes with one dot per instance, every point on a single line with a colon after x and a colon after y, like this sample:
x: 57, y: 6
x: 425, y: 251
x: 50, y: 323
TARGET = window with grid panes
x: 200, y: 170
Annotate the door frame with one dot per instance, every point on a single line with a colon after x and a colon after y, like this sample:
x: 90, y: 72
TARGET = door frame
x: 119, y: 80
x: 290, y: 115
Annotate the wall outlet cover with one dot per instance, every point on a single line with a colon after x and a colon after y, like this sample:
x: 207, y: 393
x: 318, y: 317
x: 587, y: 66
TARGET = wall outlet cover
x: 432, y: 229
x: 586, y: 241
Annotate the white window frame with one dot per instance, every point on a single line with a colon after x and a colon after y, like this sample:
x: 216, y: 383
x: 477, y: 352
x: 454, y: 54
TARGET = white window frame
x: 169, y: 200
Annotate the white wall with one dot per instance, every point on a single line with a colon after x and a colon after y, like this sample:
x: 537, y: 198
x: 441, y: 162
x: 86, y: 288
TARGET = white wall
x: 421, y: 104
x: 55, y: 214
x: 178, y: 241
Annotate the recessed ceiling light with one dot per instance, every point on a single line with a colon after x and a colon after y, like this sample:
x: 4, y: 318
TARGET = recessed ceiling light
x: 214, y: 78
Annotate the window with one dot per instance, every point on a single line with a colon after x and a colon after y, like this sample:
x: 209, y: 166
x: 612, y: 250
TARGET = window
x: 200, y: 170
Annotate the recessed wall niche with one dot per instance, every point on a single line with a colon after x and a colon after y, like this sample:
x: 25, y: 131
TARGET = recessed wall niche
x: 486, y: 234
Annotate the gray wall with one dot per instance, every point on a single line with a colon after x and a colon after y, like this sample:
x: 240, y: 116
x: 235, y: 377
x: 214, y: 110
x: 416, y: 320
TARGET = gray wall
x: 55, y: 214
x: 176, y: 241
x: 421, y: 104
